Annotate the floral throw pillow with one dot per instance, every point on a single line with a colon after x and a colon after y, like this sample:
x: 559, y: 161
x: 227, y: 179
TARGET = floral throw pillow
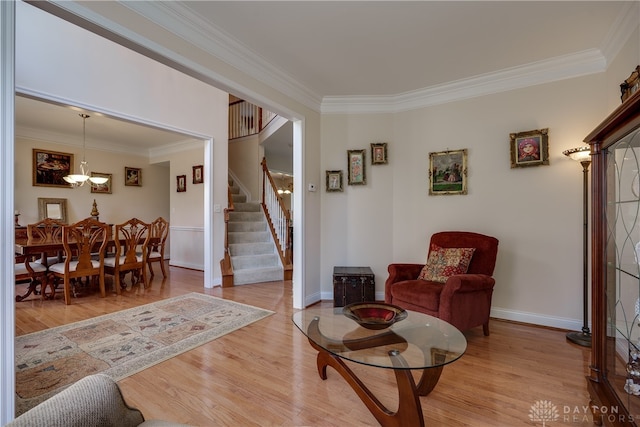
x: 445, y: 262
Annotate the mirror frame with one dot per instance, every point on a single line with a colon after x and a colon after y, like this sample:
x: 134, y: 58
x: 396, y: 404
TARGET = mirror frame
x: 43, y: 208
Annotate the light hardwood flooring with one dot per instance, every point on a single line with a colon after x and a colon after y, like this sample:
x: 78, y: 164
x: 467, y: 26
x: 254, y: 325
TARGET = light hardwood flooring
x: 265, y: 374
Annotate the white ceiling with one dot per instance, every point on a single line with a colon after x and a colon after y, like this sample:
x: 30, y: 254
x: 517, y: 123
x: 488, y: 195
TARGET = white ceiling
x: 360, y: 49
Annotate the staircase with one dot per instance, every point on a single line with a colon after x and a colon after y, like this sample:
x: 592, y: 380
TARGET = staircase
x: 253, y: 253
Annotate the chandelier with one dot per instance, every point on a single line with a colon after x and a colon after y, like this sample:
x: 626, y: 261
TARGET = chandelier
x: 78, y: 180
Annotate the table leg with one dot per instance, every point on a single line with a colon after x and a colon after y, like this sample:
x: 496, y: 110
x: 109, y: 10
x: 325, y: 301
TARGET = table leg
x: 409, y: 412
x: 33, y: 288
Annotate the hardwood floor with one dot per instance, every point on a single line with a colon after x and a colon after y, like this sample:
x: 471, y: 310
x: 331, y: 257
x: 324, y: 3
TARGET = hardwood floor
x: 265, y: 374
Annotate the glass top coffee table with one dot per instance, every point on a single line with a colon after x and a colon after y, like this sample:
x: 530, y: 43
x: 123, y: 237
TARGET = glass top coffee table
x: 419, y: 342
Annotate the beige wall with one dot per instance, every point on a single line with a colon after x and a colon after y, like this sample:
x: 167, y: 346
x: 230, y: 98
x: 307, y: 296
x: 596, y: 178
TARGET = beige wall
x: 535, y: 212
x: 146, y: 203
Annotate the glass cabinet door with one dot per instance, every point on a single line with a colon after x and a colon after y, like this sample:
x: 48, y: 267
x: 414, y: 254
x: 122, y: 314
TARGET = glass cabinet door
x: 623, y: 269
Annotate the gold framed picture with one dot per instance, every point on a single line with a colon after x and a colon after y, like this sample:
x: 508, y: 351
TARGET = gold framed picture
x: 379, y: 153
x: 357, y: 173
x: 334, y: 181
x: 50, y: 168
x: 132, y: 176
x: 448, y: 172
x: 102, y: 188
x: 530, y: 148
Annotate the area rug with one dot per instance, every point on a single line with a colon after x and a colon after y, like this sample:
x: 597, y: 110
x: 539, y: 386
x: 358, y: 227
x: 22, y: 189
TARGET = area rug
x: 122, y: 343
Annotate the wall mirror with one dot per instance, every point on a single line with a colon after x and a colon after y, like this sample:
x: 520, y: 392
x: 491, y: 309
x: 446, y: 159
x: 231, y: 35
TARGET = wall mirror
x: 52, y: 208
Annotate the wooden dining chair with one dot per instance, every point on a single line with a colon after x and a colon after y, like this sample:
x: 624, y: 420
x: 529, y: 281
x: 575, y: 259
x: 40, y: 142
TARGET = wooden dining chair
x: 159, y: 234
x: 27, y: 270
x: 46, y: 230
x: 80, y: 240
x: 131, y: 240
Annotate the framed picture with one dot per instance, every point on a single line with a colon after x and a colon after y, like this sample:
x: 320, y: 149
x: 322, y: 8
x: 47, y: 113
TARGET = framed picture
x: 198, y: 174
x: 52, y: 208
x: 379, y: 153
x: 530, y: 148
x: 356, y: 162
x: 334, y: 181
x: 132, y: 176
x: 50, y: 167
x: 181, y: 186
x: 102, y: 188
x: 448, y: 172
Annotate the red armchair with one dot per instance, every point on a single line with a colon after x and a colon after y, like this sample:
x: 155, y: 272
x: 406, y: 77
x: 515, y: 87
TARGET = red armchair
x: 464, y: 300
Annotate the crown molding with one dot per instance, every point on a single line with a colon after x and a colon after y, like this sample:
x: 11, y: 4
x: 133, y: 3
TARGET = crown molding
x: 182, y: 22
x: 551, y: 70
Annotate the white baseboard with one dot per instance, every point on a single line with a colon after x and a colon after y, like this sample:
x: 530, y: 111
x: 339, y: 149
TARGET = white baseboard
x: 496, y: 312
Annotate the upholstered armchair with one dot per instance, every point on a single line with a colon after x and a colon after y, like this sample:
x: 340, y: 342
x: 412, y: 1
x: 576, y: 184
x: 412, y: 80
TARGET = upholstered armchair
x: 459, y: 293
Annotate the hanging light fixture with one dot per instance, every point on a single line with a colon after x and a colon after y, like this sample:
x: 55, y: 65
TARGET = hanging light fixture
x: 78, y: 180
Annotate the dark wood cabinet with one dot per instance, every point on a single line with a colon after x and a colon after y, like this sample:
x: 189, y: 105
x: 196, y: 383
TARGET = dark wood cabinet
x: 614, y: 373
x: 353, y: 284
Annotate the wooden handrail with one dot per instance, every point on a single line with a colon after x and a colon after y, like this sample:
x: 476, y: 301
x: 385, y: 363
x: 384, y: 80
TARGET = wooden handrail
x: 278, y: 218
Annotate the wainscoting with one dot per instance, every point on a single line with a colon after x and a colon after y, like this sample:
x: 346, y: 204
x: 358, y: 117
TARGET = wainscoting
x: 187, y: 247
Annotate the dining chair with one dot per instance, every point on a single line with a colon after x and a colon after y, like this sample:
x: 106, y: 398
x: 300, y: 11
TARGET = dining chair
x: 25, y: 270
x: 157, y: 243
x: 131, y: 240
x: 80, y: 240
x: 46, y: 230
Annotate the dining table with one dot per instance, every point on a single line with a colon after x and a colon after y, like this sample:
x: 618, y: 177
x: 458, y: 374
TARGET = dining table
x: 31, y: 249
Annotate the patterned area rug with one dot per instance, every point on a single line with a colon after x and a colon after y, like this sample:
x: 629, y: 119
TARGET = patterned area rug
x: 122, y: 343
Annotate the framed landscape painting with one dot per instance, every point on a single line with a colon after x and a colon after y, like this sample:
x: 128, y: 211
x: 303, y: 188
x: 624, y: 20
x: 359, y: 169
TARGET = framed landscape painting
x: 50, y: 168
x: 448, y: 172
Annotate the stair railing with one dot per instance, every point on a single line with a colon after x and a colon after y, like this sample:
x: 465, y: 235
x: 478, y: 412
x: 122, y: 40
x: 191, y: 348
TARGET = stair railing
x: 225, y: 264
x: 247, y: 119
x: 278, y: 218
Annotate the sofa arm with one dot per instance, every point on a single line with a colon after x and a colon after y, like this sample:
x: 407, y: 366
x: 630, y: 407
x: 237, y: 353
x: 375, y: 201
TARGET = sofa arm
x: 95, y: 399
x: 465, y: 283
x: 399, y: 273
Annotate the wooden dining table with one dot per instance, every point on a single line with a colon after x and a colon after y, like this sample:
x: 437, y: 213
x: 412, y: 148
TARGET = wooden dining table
x: 34, y: 248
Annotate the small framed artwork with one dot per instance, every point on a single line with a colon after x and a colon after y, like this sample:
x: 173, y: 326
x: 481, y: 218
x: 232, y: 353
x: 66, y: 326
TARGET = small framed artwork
x: 379, y: 153
x: 530, y: 148
x: 198, y: 174
x: 50, y: 168
x: 356, y: 162
x: 181, y: 185
x: 448, y: 172
x: 102, y: 188
x: 52, y: 208
x: 132, y: 176
x: 334, y: 181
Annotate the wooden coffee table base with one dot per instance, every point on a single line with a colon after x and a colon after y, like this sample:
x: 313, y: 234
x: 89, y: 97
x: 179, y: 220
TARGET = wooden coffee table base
x: 409, y: 411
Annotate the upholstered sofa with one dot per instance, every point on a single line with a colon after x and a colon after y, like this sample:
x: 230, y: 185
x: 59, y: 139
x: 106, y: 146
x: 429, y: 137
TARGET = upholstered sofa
x: 463, y: 300
x: 95, y: 400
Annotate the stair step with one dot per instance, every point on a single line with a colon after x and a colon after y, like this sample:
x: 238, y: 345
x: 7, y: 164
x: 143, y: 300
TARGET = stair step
x: 247, y: 262
x: 238, y: 198
x: 247, y: 207
x: 234, y: 226
x: 257, y: 275
x: 249, y: 237
x: 246, y: 216
x: 240, y: 249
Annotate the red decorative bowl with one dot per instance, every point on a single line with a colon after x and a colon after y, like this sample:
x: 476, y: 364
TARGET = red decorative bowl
x: 374, y: 315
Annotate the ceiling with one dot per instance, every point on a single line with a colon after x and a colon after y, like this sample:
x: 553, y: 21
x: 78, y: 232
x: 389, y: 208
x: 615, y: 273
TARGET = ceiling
x: 361, y: 48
